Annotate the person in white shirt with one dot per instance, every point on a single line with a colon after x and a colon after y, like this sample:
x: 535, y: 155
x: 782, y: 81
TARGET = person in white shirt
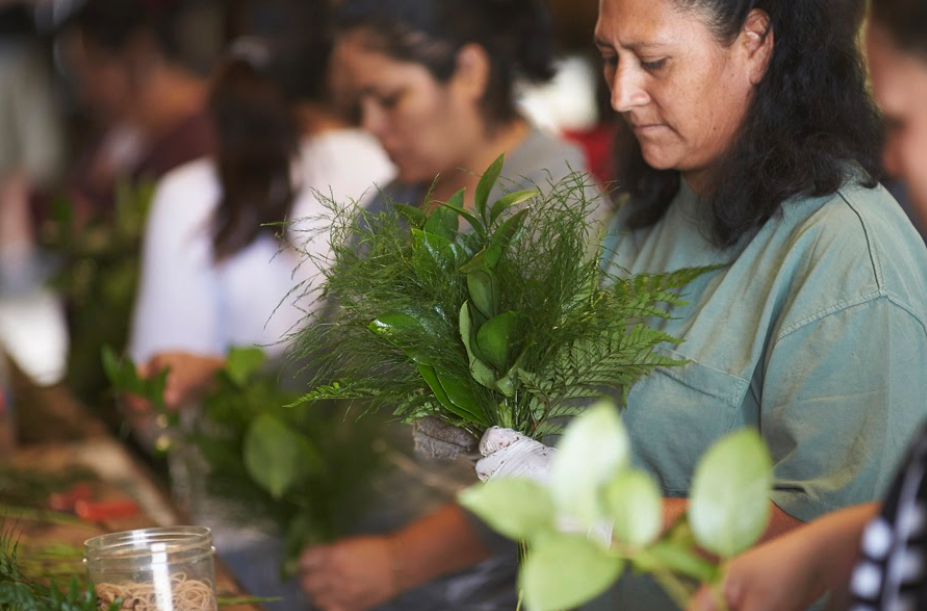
x: 214, y: 275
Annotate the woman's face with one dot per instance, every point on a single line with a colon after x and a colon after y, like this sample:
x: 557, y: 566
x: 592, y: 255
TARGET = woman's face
x: 421, y: 123
x: 683, y: 93
x: 899, y: 83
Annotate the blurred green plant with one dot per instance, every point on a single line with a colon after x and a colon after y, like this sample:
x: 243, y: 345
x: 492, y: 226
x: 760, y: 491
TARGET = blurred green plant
x: 508, y: 320
x: 593, y: 485
x: 98, y: 267
x: 21, y: 592
x: 307, y: 471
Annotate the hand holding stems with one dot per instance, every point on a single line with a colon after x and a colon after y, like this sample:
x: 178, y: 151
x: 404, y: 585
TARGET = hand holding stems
x: 189, y: 377
x: 791, y: 571
x: 351, y: 575
x: 359, y: 573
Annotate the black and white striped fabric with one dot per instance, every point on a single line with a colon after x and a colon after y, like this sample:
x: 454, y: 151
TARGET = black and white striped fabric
x: 891, y: 574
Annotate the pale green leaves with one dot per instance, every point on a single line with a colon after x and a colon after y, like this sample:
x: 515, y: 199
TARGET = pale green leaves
x: 594, y: 489
x: 564, y: 571
x: 592, y: 450
x: 635, y: 507
x: 277, y: 457
x: 729, y: 505
x: 518, y: 507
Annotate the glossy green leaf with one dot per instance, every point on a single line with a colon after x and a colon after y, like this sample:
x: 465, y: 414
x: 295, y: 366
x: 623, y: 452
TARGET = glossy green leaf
x: 593, y: 450
x: 275, y: 456
x: 456, y: 203
x: 243, y: 363
x: 480, y: 371
x: 484, y: 293
x: 431, y: 251
x: 507, y: 384
x: 454, y: 393
x: 634, y: 506
x: 496, y: 337
x: 431, y: 378
x: 412, y: 214
x: 729, y: 501
x: 565, y: 571
x: 442, y: 221
x: 516, y: 507
x: 398, y: 328
x: 507, y: 201
x: 461, y: 394
x: 502, y: 237
x: 484, y: 187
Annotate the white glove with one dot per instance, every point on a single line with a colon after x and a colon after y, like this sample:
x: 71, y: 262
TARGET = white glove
x: 508, y: 453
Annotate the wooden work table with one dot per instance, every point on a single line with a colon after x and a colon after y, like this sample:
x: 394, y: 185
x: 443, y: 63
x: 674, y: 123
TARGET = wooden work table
x: 123, y: 481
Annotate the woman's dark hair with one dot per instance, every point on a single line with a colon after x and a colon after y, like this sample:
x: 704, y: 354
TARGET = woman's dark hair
x: 253, y: 105
x: 811, y: 124
x: 906, y: 21
x: 187, y: 32
x: 516, y: 34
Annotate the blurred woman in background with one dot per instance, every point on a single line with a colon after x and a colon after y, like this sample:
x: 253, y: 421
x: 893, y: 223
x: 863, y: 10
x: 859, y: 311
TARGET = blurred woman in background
x: 144, y: 80
x: 214, y: 275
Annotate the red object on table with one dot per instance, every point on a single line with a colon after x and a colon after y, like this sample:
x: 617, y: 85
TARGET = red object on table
x: 95, y: 511
x: 65, y: 501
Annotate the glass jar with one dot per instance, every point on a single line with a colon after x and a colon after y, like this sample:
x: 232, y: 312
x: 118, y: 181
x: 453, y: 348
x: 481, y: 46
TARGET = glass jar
x: 154, y: 569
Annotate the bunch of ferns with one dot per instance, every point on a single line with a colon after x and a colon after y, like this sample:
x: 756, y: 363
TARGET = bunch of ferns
x: 496, y: 315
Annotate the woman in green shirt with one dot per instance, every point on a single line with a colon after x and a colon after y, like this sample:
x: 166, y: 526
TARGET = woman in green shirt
x: 756, y: 147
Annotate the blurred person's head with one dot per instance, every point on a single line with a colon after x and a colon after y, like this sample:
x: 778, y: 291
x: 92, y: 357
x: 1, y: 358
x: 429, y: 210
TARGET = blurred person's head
x: 268, y: 83
x: 752, y: 102
x: 897, y: 51
x: 434, y: 79
x: 140, y: 61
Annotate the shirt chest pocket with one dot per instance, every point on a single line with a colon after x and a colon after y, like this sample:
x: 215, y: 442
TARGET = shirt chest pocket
x: 676, y: 413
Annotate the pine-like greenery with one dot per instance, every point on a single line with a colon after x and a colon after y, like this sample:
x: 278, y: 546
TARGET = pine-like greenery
x: 19, y: 592
x: 497, y: 316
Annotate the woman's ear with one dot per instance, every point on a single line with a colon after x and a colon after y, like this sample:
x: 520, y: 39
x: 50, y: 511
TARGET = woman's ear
x: 758, y: 42
x: 471, y: 76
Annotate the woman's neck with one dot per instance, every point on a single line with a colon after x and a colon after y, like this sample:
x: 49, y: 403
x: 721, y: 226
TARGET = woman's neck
x: 502, y: 140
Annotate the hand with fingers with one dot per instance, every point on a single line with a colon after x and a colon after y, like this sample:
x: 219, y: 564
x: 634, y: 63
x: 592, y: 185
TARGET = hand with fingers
x: 188, y: 378
x: 353, y: 574
x: 792, y: 571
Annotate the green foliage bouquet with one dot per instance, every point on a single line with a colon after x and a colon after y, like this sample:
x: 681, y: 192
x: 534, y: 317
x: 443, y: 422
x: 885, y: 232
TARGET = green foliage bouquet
x: 499, y: 315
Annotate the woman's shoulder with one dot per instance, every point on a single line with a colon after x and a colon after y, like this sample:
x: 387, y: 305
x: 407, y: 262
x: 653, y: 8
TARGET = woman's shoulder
x: 345, y: 163
x: 195, y: 181
x: 185, y: 197
x: 861, y: 235
x: 349, y: 146
x: 544, y: 157
x: 857, y: 215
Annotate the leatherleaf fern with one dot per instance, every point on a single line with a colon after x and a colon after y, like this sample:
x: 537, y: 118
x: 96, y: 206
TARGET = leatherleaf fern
x: 499, y: 314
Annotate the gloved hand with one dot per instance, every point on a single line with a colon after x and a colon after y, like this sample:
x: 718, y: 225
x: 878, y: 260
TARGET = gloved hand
x: 509, y: 453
